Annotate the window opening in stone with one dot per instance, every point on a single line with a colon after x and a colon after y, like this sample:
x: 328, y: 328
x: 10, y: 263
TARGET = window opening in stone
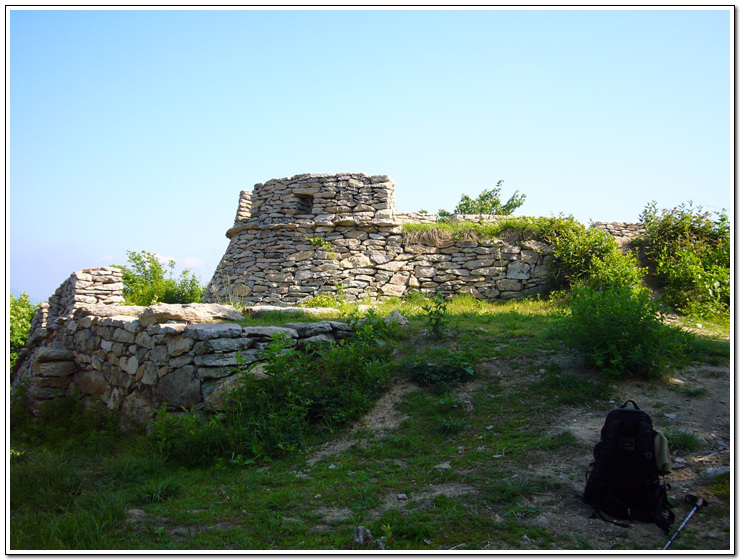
x: 305, y: 203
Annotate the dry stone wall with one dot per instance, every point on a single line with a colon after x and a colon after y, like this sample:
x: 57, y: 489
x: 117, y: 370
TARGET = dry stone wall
x: 299, y: 237
x: 621, y: 230
x: 134, y: 359
x: 292, y: 239
x: 46, y: 359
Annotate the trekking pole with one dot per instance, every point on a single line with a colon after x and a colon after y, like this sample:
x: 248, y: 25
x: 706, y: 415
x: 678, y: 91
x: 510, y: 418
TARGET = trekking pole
x: 697, y: 503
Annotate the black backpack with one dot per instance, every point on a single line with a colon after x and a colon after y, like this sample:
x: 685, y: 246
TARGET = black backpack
x: 624, y: 481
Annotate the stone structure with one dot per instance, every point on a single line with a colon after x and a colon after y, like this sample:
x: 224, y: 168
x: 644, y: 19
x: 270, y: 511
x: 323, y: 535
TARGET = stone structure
x: 86, y: 287
x: 292, y: 239
x: 133, y: 359
x: 302, y: 236
x: 621, y: 230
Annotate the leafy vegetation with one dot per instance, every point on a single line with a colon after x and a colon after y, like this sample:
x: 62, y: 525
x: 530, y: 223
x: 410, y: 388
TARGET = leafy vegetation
x: 690, y: 252
x: 451, y: 370
x: 21, y: 313
x: 146, y: 281
x: 465, y: 454
x: 619, y: 331
x: 487, y: 202
x: 436, y: 315
x: 225, y: 482
x: 299, y: 394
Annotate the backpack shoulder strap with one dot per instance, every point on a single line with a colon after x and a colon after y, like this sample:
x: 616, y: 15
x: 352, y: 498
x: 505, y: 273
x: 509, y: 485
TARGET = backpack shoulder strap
x: 597, y: 514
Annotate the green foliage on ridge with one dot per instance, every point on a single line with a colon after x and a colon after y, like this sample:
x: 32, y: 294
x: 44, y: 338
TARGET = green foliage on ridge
x: 487, y: 202
x: 146, y: 281
x: 690, y: 251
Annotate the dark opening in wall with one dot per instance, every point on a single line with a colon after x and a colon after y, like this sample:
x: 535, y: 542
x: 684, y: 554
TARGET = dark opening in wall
x: 305, y: 203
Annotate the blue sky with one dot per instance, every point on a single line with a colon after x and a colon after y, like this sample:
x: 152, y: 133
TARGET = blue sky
x: 133, y: 130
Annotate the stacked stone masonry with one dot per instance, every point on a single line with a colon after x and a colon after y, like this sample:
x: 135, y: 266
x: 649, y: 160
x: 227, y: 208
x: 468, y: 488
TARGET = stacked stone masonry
x: 307, y: 235
x: 292, y: 239
x: 134, y: 359
x: 46, y: 343
x: 621, y: 229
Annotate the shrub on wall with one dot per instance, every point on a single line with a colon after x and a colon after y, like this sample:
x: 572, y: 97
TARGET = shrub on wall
x: 576, y: 252
x: 147, y: 281
x: 487, y: 202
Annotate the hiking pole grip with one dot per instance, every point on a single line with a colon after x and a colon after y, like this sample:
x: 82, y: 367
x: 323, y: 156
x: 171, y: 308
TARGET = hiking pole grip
x: 691, y: 500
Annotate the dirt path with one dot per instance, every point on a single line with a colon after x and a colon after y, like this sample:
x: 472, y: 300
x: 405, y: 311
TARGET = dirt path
x: 697, y: 399
x: 674, y: 406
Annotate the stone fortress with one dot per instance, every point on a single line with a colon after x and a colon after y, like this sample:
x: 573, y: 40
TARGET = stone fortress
x: 340, y: 234
x: 293, y: 239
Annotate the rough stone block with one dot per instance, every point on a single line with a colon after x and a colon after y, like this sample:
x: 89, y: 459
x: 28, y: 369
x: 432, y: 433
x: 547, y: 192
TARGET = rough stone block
x: 179, y: 345
x: 91, y: 382
x: 180, y: 388
x: 208, y: 332
x: 518, y: 270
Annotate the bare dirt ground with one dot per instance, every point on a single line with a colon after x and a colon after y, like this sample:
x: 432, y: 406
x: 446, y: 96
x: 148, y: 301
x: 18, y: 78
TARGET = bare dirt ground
x: 696, y: 399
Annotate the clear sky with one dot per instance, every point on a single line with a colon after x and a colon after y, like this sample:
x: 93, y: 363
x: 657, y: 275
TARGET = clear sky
x: 132, y: 130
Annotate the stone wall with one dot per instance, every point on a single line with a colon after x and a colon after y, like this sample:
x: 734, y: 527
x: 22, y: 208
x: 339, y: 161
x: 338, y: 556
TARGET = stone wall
x: 307, y: 235
x: 137, y: 362
x: 133, y: 359
x: 93, y: 286
x: 621, y: 230
x: 303, y: 236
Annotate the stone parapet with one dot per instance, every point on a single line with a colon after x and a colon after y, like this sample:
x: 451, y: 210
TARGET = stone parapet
x: 92, y: 286
x: 135, y: 359
x: 621, y: 229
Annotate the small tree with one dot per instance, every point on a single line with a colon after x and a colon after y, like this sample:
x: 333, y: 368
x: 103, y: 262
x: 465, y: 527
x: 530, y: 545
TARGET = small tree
x: 21, y: 313
x: 488, y: 202
x: 145, y: 282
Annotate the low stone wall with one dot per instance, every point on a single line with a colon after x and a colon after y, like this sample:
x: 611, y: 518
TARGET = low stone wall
x: 91, y: 286
x: 134, y: 359
x: 621, y: 229
x: 284, y: 265
x: 136, y: 363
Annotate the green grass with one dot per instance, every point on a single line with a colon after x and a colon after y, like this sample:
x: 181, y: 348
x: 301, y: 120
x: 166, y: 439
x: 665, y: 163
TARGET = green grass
x: 72, y: 489
x: 683, y: 440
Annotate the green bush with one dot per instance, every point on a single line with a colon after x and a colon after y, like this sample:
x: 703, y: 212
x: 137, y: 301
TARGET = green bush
x: 576, y: 251
x: 145, y: 281
x: 441, y: 374
x: 436, y: 316
x: 619, y: 331
x: 328, y: 386
x: 614, y: 269
x: 690, y: 252
x: 487, y: 202
x: 21, y: 313
x: 692, y: 285
x: 300, y: 394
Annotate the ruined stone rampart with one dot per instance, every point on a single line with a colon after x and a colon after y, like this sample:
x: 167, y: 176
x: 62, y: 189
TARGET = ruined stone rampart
x: 303, y: 236
x: 307, y: 235
x: 292, y: 239
x: 134, y: 359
